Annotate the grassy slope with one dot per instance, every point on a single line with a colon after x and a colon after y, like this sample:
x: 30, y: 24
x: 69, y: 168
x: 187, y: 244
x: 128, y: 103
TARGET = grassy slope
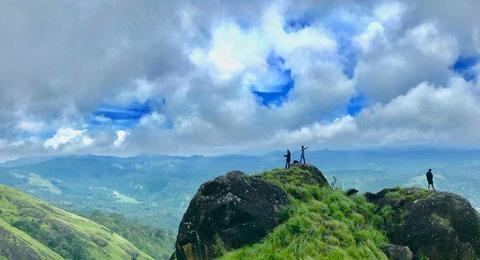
x: 151, y: 240
x: 67, y: 234
x: 320, y: 223
x: 18, y: 238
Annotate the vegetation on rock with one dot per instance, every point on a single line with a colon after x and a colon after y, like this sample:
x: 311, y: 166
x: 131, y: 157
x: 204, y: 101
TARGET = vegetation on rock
x: 319, y: 222
x: 435, y: 225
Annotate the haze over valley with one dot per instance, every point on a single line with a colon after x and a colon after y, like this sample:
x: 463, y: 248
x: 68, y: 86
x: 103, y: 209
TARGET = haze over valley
x: 158, y: 189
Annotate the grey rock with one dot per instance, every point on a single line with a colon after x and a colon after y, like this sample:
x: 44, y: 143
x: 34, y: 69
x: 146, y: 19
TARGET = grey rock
x: 226, y: 213
x: 395, y: 252
x: 438, y: 225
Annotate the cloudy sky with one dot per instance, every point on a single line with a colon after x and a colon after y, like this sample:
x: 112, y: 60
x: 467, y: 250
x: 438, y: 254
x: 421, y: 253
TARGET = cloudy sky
x: 213, y: 77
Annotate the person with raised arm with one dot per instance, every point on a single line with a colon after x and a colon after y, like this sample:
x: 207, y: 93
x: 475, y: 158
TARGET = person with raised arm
x: 302, y: 155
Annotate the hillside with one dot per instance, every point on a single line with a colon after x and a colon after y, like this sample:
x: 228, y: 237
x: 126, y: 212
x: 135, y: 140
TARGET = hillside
x: 33, y: 229
x: 320, y: 222
x: 154, y: 241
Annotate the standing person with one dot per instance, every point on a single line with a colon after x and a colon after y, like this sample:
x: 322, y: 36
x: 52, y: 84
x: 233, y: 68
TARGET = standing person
x: 430, y: 179
x: 288, y: 157
x: 302, y: 155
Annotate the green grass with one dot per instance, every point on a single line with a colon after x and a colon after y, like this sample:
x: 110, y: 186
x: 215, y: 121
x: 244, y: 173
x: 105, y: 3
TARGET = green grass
x: 151, y: 240
x: 407, y: 194
x: 319, y: 223
x: 67, y: 234
x: 13, y: 237
x: 398, y: 196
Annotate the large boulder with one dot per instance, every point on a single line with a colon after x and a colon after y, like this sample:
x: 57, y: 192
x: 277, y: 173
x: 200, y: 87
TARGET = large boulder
x: 437, y: 225
x: 226, y: 213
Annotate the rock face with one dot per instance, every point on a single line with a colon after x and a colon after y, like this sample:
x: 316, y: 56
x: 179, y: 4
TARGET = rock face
x: 351, y: 192
x: 395, y: 252
x: 438, y: 225
x: 226, y: 213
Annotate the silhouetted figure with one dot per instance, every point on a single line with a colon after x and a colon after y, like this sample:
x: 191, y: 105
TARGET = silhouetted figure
x: 333, y: 182
x: 288, y: 157
x: 351, y: 192
x: 302, y: 155
x: 430, y: 179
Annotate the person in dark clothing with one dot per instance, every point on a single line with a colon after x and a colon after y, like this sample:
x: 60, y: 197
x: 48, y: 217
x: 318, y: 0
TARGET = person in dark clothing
x: 288, y: 157
x: 302, y: 155
x: 430, y: 179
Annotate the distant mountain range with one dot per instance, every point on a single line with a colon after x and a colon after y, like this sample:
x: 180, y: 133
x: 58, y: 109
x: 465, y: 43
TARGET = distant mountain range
x: 157, y: 189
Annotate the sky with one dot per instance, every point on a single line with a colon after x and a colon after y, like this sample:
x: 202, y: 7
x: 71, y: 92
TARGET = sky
x: 220, y: 77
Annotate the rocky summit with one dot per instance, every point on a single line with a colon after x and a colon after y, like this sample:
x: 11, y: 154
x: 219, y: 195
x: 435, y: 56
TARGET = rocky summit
x: 228, y: 212
x: 295, y: 214
x: 437, y: 225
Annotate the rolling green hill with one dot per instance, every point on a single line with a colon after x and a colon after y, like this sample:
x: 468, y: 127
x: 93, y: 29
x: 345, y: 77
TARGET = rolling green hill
x: 154, y: 241
x: 15, y: 244
x: 33, y: 229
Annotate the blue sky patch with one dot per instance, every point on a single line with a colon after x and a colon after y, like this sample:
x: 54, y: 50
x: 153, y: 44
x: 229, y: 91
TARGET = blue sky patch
x: 295, y: 25
x: 464, y: 66
x: 125, y: 116
x: 244, y: 24
x: 274, y: 91
x: 356, y: 104
x: 275, y: 61
x: 275, y: 98
x: 120, y: 113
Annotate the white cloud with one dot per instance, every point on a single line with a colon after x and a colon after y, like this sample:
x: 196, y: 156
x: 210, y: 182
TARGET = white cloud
x: 427, y: 114
x: 153, y: 119
x: 234, y: 50
x: 69, y: 137
x: 121, y: 135
x: 31, y: 126
x: 102, y: 119
x: 231, y: 51
x: 311, y: 38
x: 476, y: 39
x: 390, y: 13
x: 430, y: 42
x: 318, y: 133
x: 372, y: 36
x: 394, y: 63
x: 200, y: 61
x: 141, y: 90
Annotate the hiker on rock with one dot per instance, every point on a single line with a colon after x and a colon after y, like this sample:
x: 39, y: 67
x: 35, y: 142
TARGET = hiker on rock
x: 302, y: 155
x: 288, y: 157
x: 430, y: 179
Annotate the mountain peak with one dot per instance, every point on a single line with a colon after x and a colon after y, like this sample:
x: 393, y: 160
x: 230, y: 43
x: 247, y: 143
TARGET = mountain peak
x: 309, y: 219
